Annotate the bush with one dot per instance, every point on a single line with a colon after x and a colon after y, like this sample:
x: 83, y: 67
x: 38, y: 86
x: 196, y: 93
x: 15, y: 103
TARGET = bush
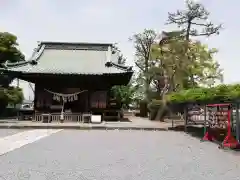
x: 153, y: 107
x: 154, y: 104
x: 10, y: 96
x: 220, y: 93
x: 9, y: 112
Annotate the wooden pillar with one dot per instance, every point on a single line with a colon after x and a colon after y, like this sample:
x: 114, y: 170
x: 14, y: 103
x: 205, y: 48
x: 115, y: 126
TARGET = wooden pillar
x: 185, y: 117
x: 205, y: 118
x: 86, y: 98
x: 237, y: 123
x: 89, y: 100
x: 35, y: 97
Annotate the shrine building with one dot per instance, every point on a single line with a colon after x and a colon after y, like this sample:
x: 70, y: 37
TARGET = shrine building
x: 72, y: 78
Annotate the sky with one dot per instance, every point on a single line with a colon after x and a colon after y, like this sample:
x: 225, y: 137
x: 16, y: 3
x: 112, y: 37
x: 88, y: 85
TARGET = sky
x: 113, y: 21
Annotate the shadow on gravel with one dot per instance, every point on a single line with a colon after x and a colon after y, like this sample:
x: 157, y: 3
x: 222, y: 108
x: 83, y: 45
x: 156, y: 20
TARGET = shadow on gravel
x: 125, y: 120
x: 197, y: 132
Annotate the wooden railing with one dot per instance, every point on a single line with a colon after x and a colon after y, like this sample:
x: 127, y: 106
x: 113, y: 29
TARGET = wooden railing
x: 55, y: 117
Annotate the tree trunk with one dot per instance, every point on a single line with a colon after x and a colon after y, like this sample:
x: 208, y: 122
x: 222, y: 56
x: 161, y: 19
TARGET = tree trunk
x: 160, y: 114
x: 188, y: 38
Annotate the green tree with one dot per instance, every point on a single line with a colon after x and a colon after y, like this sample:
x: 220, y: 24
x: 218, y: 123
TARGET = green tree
x: 194, y: 22
x: 178, y: 66
x: 143, y: 44
x: 168, y: 56
x: 9, y: 52
x: 10, y: 95
x: 124, y: 94
x: 9, y: 48
x: 204, y: 69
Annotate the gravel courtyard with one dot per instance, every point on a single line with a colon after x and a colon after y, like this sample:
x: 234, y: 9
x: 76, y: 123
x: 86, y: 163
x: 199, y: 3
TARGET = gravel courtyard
x: 119, y: 155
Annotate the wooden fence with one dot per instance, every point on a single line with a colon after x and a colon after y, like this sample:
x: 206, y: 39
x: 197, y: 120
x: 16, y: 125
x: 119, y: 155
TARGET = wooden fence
x: 56, y: 117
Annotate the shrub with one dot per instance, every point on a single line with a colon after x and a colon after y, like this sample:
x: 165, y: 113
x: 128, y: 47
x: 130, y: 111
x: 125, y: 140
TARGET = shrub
x: 10, y: 96
x: 153, y: 107
x: 220, y: 93
x: 154, y: 104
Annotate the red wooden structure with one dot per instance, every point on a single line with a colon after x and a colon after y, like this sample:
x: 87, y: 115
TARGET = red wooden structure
x: 219, y: 120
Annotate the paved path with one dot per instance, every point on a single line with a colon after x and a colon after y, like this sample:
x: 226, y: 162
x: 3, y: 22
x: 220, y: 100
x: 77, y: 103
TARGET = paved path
x: 15, y: 141
x: 115, y: 155
x: 7, y: 132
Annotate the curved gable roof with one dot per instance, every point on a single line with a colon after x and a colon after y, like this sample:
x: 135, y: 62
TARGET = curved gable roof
x: 69, y: 58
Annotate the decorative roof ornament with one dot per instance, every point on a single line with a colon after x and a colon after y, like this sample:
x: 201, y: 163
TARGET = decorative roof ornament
x: 108, y: 64
x: 161, y: 38
x: 112, y: 64
x: 3, y: 65
x: 33, y: 62
x: 114, y: 49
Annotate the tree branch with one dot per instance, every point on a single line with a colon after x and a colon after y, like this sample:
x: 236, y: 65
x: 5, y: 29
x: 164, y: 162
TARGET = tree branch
x: 203, y: 34
x: 200, y: 24
x: 138, y: 65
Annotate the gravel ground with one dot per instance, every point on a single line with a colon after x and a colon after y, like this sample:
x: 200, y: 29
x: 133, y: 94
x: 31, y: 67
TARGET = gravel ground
x: 9, y: 132
x: 119, y: 155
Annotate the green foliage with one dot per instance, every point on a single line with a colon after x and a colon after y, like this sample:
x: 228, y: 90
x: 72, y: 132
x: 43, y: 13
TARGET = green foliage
x: 5, y: 79
x: 8, y: 52
x: 11, y: 95
x: 205, y: 69
x: 124, y: 94
x: 193, y: 21
x: 220, y: 93
x: 179, y: 64
x: 143, y: 43
x: 9, y: 48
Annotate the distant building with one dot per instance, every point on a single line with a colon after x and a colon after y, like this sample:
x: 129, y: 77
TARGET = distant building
x: 27, y: 104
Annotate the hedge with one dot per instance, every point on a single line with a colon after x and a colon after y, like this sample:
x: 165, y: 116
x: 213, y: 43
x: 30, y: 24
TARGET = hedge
x: 220, y: 93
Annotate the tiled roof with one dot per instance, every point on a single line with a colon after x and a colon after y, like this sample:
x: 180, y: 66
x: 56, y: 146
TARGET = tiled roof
x: 69, y: 58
